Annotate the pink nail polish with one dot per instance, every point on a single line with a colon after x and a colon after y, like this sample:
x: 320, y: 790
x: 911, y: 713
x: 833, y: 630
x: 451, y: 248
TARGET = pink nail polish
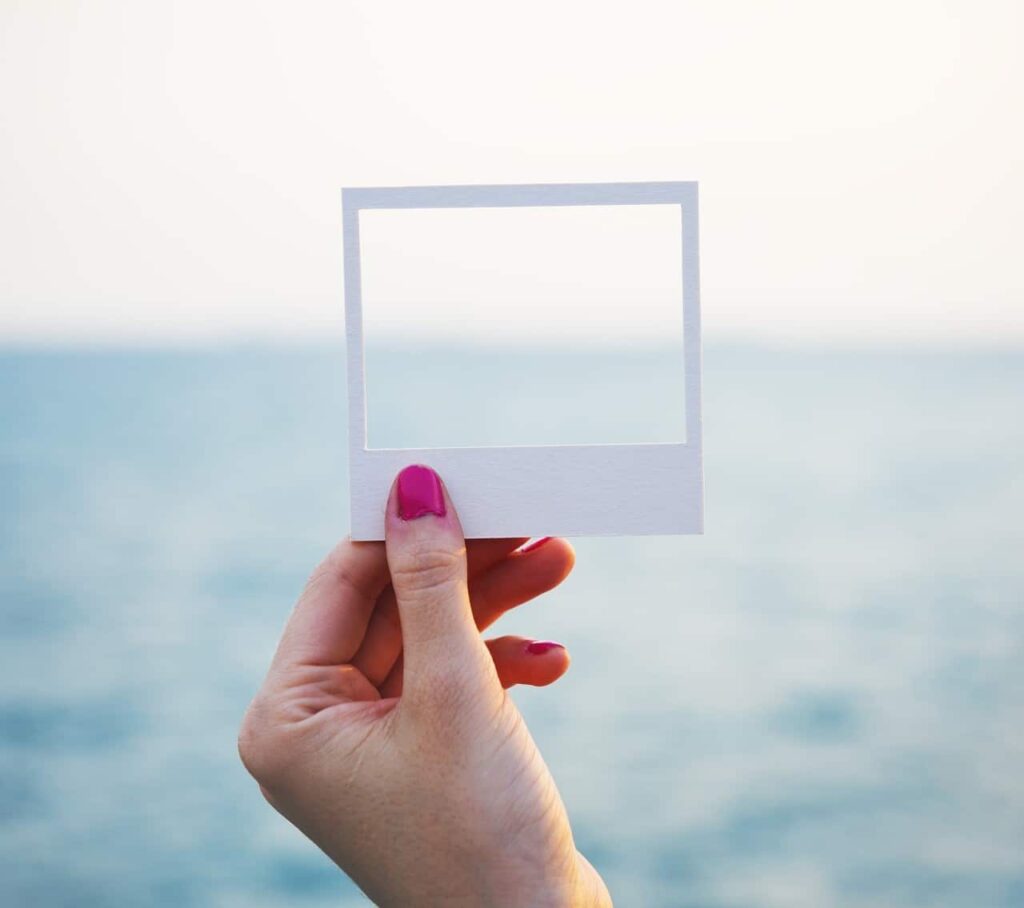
x: 539, y: 647
x: 419, y: 493
x: 535, y: 544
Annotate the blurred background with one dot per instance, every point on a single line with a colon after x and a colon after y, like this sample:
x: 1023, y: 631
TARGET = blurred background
x: 818, y: 703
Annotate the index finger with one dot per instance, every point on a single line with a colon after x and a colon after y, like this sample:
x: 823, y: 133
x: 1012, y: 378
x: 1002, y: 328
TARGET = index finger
x: 328, y: 622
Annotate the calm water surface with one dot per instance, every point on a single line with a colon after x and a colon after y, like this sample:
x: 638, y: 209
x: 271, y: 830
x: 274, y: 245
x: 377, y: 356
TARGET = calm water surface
x: 820, y: 703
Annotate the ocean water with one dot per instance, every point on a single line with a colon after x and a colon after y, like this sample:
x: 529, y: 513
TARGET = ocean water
x: 819, y: 703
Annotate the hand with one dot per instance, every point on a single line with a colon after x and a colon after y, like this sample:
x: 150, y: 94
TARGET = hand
x: 383, y: 730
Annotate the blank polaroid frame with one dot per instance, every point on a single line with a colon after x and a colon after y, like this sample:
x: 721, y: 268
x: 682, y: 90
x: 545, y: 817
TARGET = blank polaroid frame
x: 557, y: 490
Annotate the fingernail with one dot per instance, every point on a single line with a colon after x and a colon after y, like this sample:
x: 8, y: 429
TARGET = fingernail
x: 539, y: 647
x: 419, y: 493
x: 535, y: 544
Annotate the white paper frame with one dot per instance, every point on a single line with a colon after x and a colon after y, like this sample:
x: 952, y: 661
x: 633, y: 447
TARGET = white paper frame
x: 556, y: 490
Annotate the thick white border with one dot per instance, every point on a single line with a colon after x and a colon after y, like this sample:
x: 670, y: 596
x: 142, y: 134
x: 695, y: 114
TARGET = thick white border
x: 573, y: 490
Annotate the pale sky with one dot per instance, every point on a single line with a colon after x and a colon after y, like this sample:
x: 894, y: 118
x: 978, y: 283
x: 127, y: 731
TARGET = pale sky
x: 170, y: 172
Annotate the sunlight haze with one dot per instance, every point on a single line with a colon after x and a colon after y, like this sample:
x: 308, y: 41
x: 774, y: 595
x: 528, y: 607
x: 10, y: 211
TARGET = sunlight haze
x: 171, y: 172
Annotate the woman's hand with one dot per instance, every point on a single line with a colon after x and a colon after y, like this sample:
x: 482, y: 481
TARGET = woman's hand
x: 383, y: 730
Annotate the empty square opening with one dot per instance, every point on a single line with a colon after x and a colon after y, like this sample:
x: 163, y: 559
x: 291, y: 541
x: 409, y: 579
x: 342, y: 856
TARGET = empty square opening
x: 547, y: 325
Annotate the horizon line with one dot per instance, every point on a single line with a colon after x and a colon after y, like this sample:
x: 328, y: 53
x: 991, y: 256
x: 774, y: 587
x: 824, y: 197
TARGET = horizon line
x: 768, y: 343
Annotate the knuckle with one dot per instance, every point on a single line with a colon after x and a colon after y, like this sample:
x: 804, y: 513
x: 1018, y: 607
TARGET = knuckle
x: 336, y: 571
x: 426, y: 571
x: 258, y: 748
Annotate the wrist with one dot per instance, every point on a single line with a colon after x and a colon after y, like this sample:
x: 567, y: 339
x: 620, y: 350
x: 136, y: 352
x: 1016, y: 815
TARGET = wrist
x: 582, y: 887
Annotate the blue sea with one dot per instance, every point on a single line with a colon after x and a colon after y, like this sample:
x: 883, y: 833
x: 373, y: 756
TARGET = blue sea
x: 818, y: 703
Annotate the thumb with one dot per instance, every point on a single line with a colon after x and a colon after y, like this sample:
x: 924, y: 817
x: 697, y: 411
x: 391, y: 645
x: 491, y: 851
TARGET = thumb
x: 442, y: 649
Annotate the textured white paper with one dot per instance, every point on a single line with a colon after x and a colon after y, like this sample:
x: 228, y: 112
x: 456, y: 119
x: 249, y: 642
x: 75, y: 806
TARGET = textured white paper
x: 558, y: 490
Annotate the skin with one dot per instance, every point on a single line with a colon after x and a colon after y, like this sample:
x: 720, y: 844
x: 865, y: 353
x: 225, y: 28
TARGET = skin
x: 384, y: 731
